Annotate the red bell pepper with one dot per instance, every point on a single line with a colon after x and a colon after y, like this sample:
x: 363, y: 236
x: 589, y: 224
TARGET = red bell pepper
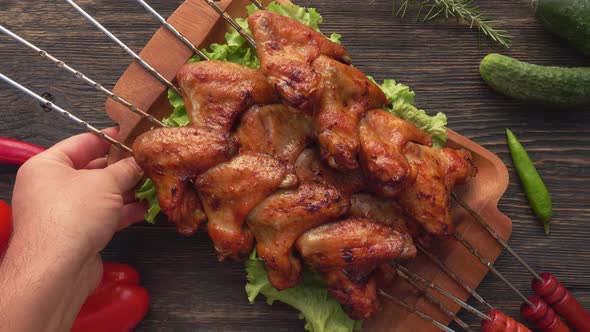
x: 118, y: 304
x: 5, y: 226
x: 16, y: 152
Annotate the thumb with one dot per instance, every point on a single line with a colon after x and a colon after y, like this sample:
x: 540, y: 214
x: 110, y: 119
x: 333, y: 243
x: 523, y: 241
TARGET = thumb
x: 126, y: 173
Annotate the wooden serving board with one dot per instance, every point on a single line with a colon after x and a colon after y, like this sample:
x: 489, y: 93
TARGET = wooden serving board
x: 202, y: 26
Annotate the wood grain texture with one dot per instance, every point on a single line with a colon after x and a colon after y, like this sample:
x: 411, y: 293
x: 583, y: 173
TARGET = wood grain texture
x: 439, y: 60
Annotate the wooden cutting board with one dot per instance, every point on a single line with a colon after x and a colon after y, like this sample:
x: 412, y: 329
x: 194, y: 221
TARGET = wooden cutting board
x: 202, y: 26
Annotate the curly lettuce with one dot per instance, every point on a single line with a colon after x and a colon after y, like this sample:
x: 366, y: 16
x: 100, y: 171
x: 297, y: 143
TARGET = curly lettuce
x: 402, y: 100
x: 321, y: 312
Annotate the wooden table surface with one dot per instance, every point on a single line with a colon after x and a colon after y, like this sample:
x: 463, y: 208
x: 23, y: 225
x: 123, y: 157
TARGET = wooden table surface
x: 439, y: 60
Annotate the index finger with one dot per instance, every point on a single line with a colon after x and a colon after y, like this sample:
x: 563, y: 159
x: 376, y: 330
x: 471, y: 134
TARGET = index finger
x: 77, y: 151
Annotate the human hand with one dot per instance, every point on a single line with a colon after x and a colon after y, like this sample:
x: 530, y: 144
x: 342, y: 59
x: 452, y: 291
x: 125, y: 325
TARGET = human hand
x: 67, y: 204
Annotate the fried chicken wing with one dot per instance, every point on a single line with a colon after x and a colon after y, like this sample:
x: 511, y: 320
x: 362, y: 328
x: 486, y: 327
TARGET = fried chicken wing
x: 310, y: 168
x: 427, y: 200
x: 286, y: 49
x: 275, y: 129
x: 383, y: 139
x: 281, y: 218
x: 229, y: 191
x: 346, y: 254
x: 346, y: 95
x: 215, y: 93
x: 172, y: 158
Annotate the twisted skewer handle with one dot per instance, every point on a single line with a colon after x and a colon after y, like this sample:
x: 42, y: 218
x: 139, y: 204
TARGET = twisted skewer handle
x: 500, y: 322
x: 564, y: 303
x: 542, y: 316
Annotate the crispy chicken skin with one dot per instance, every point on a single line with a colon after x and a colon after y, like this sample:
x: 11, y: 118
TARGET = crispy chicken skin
x: 286, y: 49
x: 172, y: 158
x: 345, y: 97
x: 275, y: 129
x: 346, y: 254
x: 427, y: 200
x: 217, y: 92
x: 310, y: 168
x: 384, y: 138
x: 229, y: 191
x: 280, y: 219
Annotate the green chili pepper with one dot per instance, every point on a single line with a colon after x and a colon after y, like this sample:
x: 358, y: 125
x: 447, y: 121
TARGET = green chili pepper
x: 535, y: 189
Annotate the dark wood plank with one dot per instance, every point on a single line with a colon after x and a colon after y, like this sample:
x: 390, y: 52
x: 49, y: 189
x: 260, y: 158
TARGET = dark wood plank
x: 439, y: 60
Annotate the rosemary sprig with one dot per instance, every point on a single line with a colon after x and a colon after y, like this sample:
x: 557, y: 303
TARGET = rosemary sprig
x: 462, y: 10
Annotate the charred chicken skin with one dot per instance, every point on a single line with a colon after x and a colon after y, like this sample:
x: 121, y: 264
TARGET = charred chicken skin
x: 172, y: 158
x: 299, y: 157
x: 347, y: 252
x: 276, y: 130
x: 215, y: 93
x: 286, y: 49
x: 280, y: 219
x: 229, y: 191
x: 346, y: 95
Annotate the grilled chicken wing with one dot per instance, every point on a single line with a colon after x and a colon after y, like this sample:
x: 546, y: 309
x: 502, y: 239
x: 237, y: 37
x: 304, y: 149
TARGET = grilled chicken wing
x: 215, y: 93
x: 384, y: 138
x: 172, y: 158
x: 427, y: 200
x: 275, y: 129
x: 346, y: 95
x: 346, y: 254
x: 286, y: 49
x: 229, y: 191
x: 310, y: 168
x: 281, y: 218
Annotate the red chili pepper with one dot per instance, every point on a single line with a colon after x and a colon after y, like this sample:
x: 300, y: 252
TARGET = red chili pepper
x: 16, y: 152
x: 5, y: 226
x: 118, y: 304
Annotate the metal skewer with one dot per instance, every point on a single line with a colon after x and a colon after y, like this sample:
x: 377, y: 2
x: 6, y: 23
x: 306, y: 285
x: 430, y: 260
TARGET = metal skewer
x: 453, y: 276
x: 134, y: 55
x: 172, y: 29
x: 83, y: 77
x: 434, y: 301
x: 232, y: 22
x: 257, y: 4
x: 414, y: 310
x: 406, y: 274
x: 489, y: 265
x: 49, y: 105
x: 497, y: 236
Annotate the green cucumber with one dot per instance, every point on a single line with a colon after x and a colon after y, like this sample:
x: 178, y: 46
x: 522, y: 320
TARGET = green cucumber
x: 569, y: 19
x: 552, y: 86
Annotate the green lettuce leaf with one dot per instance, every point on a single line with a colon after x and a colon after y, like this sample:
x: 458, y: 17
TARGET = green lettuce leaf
x: 147, y: 192
x: 402, y: 100
x: 321, y: 312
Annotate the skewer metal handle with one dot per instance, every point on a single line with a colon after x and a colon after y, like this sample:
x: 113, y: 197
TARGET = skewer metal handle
x: 49, y: 105
x: 542, y: 316
x: 500, y: 322
x: 557, y: 296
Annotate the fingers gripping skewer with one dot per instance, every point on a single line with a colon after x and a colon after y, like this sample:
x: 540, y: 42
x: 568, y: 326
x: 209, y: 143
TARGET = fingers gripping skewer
x: 83, y: 77
x: 232, y: 22
x: 414, y: 310
x: 545, y: 284
x: 134, y: 55
x: 171, y: 28
x: 49, y: 105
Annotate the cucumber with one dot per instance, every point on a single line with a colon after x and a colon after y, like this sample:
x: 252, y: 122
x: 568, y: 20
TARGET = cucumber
x: 553, y: 86
x: 569, y: 19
